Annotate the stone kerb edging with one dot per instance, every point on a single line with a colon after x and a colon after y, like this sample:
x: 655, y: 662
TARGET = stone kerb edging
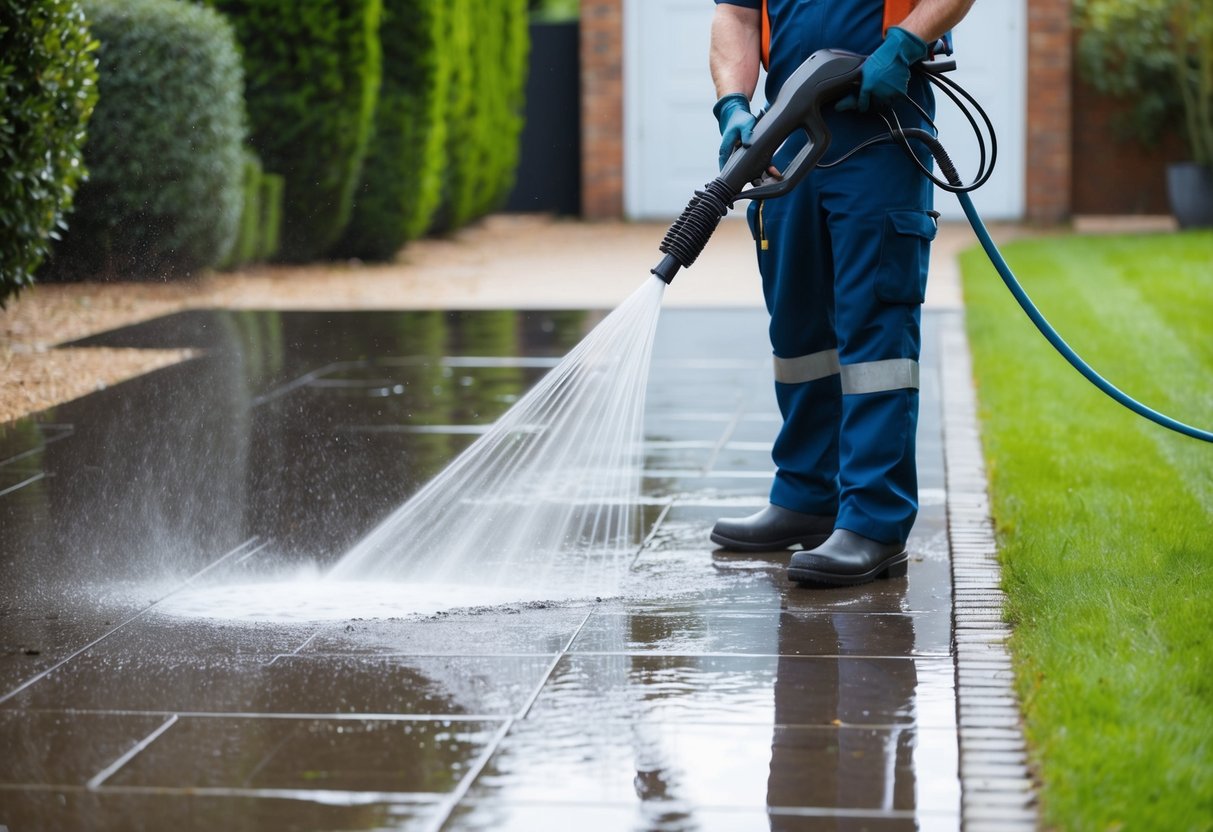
x: 997, y: 791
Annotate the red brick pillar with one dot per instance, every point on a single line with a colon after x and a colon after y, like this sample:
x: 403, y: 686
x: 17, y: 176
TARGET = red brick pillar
x: 1050, y: 61
x: 601, y: 109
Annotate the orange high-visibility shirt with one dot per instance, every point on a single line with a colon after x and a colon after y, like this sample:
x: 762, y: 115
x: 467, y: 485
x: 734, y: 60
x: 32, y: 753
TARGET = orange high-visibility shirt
x: 895, y: 11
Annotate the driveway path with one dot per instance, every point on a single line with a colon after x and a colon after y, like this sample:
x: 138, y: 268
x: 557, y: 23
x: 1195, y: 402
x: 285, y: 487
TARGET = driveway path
x: 709, y: 693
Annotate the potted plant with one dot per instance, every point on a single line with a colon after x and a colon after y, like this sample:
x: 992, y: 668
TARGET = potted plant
x: 1158, y: 55
x: 1190, y: 184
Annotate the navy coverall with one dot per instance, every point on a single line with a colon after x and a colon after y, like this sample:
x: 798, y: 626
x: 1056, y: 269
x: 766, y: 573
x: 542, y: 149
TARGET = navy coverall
x: 843, y: 259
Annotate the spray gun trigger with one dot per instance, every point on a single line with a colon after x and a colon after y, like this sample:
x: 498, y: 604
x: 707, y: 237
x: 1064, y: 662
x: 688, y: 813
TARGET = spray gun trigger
x: 771, y: 176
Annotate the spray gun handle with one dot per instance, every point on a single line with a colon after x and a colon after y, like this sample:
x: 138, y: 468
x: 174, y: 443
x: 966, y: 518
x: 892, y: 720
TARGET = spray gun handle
x: 804, y: 161
x: 824, y: 77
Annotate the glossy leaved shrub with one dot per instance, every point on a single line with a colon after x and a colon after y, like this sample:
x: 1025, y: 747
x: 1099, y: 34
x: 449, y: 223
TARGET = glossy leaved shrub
x: 48, y: 88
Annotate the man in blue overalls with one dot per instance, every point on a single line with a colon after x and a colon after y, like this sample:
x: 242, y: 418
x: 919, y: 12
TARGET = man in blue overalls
x: 843, y: 259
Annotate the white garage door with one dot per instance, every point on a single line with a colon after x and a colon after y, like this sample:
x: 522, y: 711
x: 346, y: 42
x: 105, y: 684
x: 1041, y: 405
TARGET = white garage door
x: 991, y: 50
x: 670, y: 136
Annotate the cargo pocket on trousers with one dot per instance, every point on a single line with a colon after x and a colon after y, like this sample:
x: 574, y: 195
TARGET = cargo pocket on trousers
x: 905, y: 251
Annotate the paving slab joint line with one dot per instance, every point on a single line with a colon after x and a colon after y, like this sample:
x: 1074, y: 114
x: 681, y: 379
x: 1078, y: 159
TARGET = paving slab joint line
x: 452, y: 801
x: 243, y: 547
x: 648, y: 539
x: 132, y: 752
x: 975, y: 641
x: 729, y: 430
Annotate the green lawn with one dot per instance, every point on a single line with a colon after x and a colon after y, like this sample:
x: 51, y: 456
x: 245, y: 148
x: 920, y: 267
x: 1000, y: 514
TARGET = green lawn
x: 1105, y: 520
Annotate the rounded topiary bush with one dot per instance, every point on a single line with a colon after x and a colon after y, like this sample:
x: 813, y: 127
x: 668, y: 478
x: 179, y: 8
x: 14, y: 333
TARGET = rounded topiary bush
x: 165, y: 144
x: 47, y: 91
x: 401, y: 183
x: 313, y: 71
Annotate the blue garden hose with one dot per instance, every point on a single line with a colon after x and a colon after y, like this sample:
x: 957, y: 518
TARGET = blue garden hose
x: 1059, y: 344
x: 952, y: 182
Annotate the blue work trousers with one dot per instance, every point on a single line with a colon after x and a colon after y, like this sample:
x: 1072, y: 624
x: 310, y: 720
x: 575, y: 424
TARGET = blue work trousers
x: 844, y: 260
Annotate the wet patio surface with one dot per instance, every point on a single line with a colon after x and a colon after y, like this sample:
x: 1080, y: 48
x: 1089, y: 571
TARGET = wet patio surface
x: 708, y: 694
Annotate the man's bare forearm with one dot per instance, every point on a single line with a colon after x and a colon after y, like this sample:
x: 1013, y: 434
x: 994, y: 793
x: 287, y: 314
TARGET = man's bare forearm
x: 736, y: 51
x: 930, y: 19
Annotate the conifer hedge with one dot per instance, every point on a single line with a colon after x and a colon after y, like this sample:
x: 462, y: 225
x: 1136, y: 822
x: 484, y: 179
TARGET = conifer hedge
x: 402, y: 178
x: 48, y: 88
x: 164, y: 148
x: 260, y: 216
x: 486, y: 106
x: 312, y: 69
x: 449, y: 117
x: 504, y: 83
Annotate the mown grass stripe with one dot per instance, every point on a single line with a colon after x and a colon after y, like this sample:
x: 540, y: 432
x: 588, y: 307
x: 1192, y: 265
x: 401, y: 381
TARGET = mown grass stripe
x: 1169, y: 371
x: 1103, y: 523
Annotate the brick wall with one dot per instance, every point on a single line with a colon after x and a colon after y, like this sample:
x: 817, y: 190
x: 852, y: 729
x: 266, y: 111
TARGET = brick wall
x: 1074, y: 165
x: 1047, y: 197
x: 602, y: 109
x: 1113, y: 175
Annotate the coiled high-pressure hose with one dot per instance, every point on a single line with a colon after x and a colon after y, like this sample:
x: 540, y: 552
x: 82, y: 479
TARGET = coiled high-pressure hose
x: 954, y: 184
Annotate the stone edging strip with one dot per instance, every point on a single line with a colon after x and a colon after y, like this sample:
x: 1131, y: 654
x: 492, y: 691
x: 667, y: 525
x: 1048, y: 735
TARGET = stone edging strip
x: 996, y: 786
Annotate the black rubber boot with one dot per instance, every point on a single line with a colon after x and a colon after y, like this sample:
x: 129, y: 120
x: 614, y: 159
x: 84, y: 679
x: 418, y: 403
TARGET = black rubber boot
x: 775, y: 527
x: 847, y: 559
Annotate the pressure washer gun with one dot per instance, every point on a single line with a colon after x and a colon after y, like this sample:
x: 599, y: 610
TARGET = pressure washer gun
x: 825, y: 77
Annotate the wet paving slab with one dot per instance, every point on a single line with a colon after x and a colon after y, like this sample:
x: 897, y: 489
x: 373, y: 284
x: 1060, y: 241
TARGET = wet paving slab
x: 865, y: 771
x: 708, y: 692
x: 115, y: 809
x: 748, y: 690
x: 399, y: 757
x: 334, y: 685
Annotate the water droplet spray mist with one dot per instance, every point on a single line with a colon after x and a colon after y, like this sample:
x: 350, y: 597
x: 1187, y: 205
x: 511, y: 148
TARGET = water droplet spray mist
x: 547, y: 500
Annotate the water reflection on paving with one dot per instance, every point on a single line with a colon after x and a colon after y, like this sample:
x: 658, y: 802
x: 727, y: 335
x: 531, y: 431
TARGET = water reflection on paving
x: 707, y: 694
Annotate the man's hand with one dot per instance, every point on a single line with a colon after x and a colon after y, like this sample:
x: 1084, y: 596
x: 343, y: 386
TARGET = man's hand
x: 886, y: 72
x: 736, y: 123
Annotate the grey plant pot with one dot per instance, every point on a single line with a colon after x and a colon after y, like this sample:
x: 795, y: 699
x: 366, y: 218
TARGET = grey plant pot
x: 1190, y: 190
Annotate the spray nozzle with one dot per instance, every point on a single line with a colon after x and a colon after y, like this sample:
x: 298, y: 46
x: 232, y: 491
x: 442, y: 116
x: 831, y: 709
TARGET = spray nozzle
x: 691, y: 231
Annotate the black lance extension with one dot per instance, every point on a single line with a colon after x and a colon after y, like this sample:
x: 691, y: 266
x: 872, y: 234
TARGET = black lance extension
x: 825, y: 77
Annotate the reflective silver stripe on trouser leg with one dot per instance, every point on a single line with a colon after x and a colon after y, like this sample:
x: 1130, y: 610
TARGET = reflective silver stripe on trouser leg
x: 879, y: 376
x: 804, y: 368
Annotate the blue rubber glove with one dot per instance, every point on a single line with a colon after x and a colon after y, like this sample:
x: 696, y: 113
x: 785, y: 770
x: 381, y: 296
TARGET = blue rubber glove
x: 886, y: 72
x: 736, y: 123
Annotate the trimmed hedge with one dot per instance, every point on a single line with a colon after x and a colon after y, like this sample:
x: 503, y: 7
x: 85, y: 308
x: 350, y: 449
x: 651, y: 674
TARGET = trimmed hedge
x: 165, y: 145
x: 505, y: 65
x: 48, y: 88
x: 402, y: 178
x: 244, y: 249
x: 554, y: 11
x: 313, y: 71
x: 485, y: 108
x: 260, y: 216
